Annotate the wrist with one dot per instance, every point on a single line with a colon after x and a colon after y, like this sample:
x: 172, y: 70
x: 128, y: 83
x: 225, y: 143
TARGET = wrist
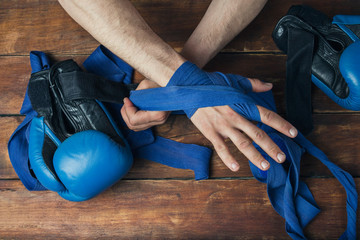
x: 188, y: 74
x: 196, y: 53
x: 162, y: 69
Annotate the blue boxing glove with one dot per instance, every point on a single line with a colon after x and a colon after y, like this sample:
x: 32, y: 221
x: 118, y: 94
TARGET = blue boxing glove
x: 349, y: 68
x: 314, y: 44
x: 330, y: 39
x: 82, y: 166
x: 345, y: 60
x: 75, y: 147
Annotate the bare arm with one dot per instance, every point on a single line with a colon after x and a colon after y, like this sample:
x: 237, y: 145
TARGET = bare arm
x: 222, y: 21
x: 118, y: 25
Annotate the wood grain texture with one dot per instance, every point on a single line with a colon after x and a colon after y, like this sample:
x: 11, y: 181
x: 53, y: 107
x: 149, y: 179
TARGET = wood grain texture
x: 15, y: 73
x: 52, y: 30
x: 336, y: 134
x: 222, y: 209
x: 8, y: 126
x: 155, y: 201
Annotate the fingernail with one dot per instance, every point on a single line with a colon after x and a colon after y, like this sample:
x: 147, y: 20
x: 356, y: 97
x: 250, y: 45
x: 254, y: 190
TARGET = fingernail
x: 293, y: 132
x: 264, y: 164
x: 234, y: 166
x: 281, y: 157
x: 268, y: 84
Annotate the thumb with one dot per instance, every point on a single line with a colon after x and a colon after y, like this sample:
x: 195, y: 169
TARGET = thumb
x: 260, y: 86
x: 129, y: 107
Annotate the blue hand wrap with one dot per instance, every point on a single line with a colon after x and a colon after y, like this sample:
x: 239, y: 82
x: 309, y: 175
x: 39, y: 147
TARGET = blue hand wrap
x: 290, y: 197
x: 189, y: 74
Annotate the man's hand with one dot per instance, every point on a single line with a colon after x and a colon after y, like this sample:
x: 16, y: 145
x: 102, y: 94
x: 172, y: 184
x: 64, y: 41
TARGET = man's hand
x: 222, y: 122
x: 139, y: 120
x: 219, y: 123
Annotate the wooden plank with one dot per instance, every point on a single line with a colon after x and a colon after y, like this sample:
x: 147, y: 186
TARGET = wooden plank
x: 27, y: 25
x: 8, y: 127
x: 336, y: 135
x: 15, y: 72
x: 166, y: 209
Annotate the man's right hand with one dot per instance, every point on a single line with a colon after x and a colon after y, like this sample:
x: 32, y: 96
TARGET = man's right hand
x: 139, y: 120
x: 219, y: 123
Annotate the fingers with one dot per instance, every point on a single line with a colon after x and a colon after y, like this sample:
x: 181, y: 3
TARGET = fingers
x: 244, y: 144
x: 140, y: 120
x: 260, y: 137
x: 260, y: 86
x: 223, y: 151
x: 217, y: 123
x: 275, y: 121
x: 137, y: 117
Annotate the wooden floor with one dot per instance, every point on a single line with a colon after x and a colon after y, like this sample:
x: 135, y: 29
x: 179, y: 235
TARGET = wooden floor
x: 155, y: 201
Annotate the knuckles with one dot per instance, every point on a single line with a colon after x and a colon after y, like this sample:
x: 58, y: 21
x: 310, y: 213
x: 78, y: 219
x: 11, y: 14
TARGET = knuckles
x: 233, y: 116
x: 268, y: 116
x: 161, y: 117
x: 257, y: 158
x: 133, y: 122
x: 243, y: 144
x: 218, y: 145
x: 259, y: 135
x: 273, y: 149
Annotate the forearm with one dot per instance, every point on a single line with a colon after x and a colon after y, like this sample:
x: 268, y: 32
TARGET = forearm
x: 221, y: 23
x: 118, y: 25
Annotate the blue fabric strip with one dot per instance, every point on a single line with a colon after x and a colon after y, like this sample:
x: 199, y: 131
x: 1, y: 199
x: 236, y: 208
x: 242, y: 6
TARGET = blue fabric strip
x: 192, y: 158
x: 344, y: 178
x: 187, y: 97
x: 105, y: 63
x: 189, y: 74
x: 39, y: 61
x: 289, y: 196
